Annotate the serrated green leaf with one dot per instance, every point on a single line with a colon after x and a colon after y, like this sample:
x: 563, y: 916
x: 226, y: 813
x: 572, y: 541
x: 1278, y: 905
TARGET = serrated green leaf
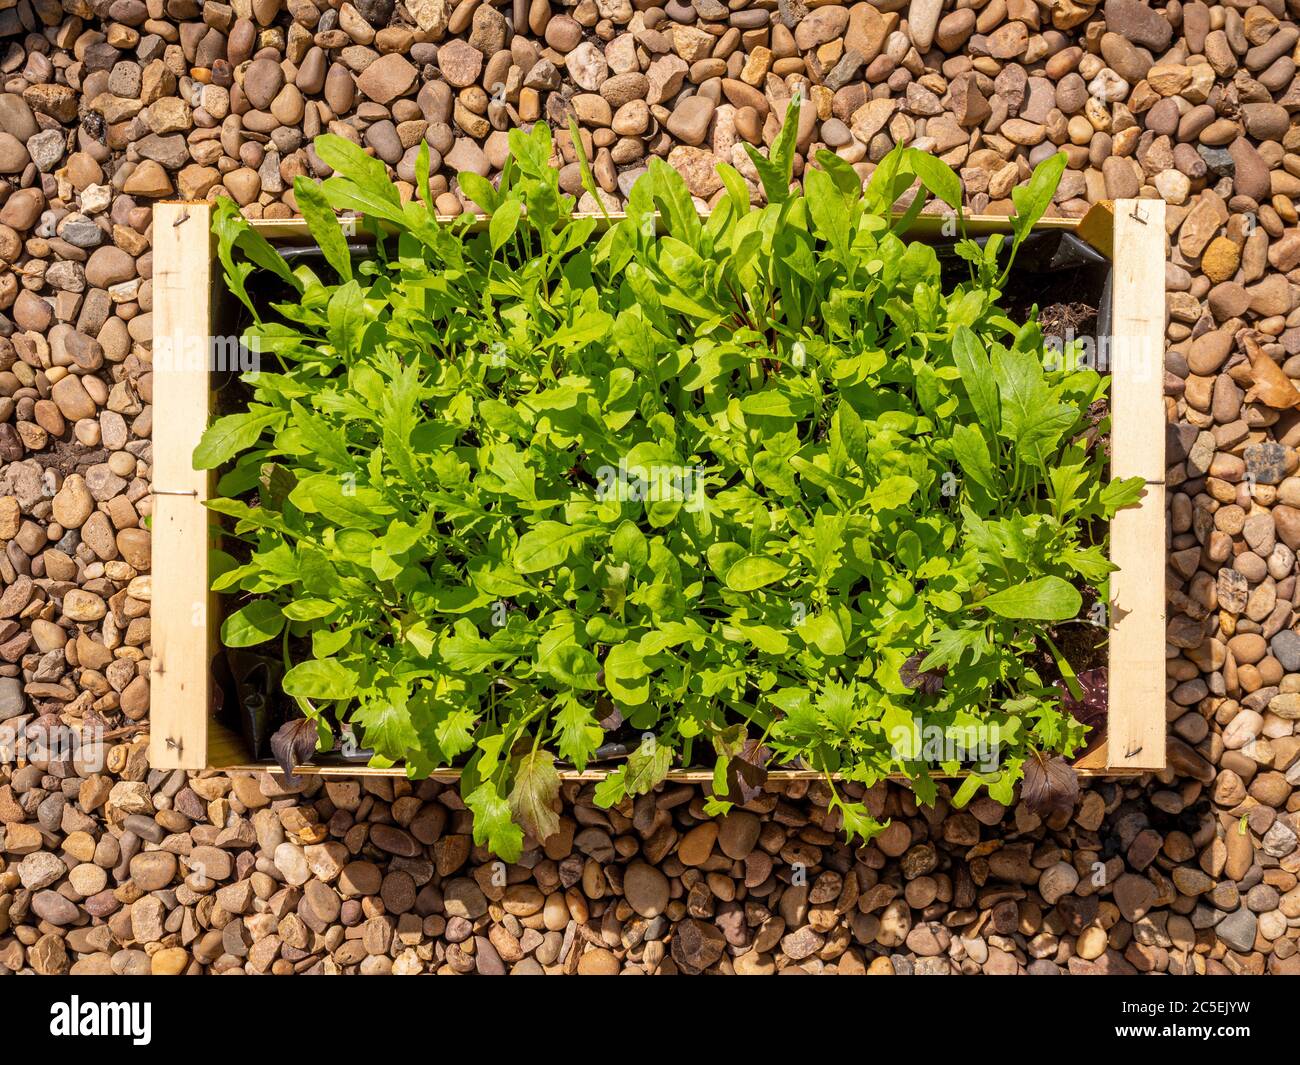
x: 228, y: 436
x: 493, y: 827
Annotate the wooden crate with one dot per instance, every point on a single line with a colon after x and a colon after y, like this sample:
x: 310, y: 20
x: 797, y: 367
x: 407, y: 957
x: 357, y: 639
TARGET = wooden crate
x: 185, y: 734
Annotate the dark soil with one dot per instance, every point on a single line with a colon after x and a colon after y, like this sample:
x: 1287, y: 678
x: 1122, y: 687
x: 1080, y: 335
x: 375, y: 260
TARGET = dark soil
x: 1061, y: 315
x: 1064, y: 321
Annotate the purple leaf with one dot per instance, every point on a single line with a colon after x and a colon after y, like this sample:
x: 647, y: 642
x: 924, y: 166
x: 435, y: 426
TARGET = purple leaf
x: 1091, y: 709
x: 608, y: 716
x: 1051, y: 785
x: 929, y: 681
x: 293, y: 744
x: 747, y: 772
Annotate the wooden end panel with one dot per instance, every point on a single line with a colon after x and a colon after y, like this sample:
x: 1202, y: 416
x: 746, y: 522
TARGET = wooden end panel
x: 182, y: 615
x: 1136, y: 728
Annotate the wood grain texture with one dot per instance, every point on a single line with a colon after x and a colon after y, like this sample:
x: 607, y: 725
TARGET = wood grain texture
x: 1097, y: 227
x: 295, y: 231
x: 1094, y: 761
x: 1136, y: 732
x: 678, y: 776
x: 180, y: 686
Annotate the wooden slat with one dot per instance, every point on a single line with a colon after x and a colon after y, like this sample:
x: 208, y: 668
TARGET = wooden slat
x: 677, y: 776
x: 1136, y: 729
x: 296, y: 231
x: 181, y: 608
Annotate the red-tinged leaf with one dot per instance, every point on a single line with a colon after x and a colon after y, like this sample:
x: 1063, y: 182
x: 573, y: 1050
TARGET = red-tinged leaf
x: 1050, y: 786
x: 293, y: 744
x: 1091, y: 709
x: 535, y: 798
x: 928, y: 681
x: 747, y: 772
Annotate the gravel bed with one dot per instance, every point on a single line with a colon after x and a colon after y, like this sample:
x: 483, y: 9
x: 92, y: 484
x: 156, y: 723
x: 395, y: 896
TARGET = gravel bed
x: 108, y: 105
